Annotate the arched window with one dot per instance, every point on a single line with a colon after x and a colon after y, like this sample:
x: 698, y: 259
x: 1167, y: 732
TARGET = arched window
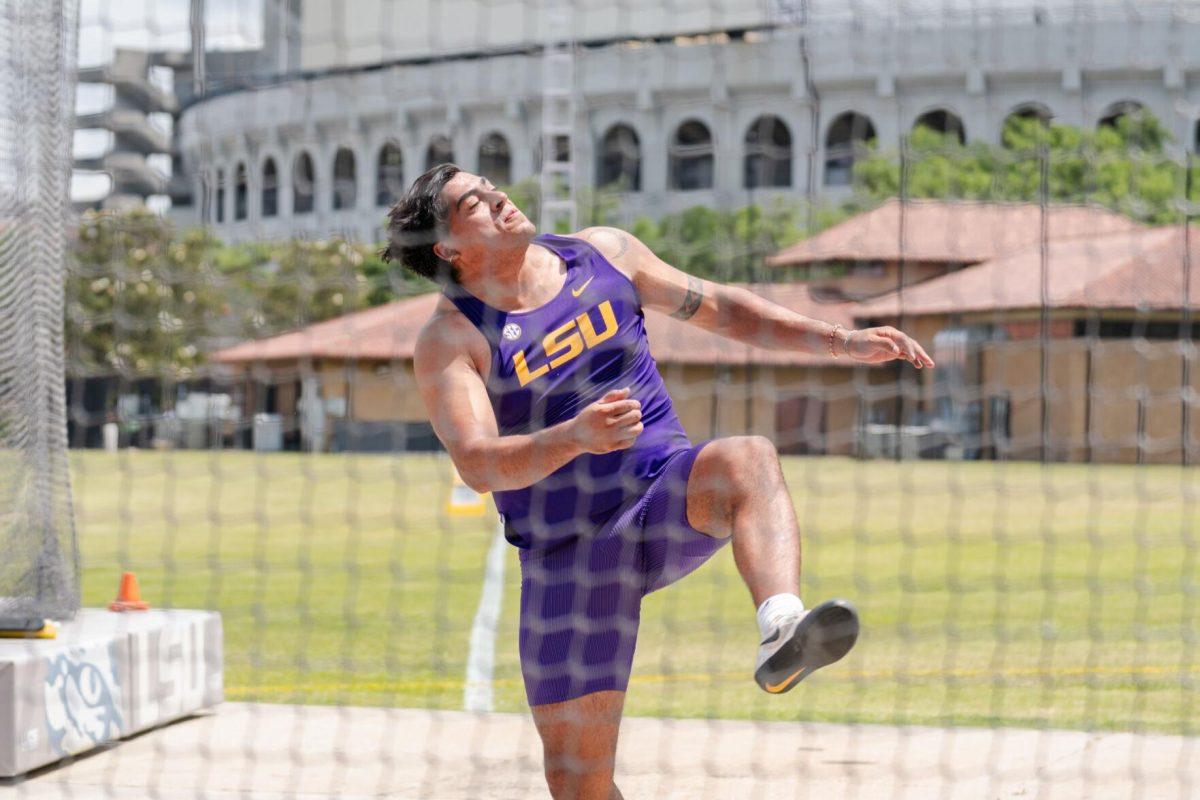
x: 345, y: 184
x: 241, y: 193
x: 495, y: 159
x: 220, y: 196
x: 943, y: 121
x: 303, y: 184
x: 1029, y: 111
x: 270, y: 189
x: 562, y: 151
x: 846, y: 141
x: 389, y: 175
x: 1135, y: 122
x: 440, y: 151
x: 1033, y: 111
x: 620, y: 162
x: 768, y: 154
x: 691, y: 157
x: 1123, y: 108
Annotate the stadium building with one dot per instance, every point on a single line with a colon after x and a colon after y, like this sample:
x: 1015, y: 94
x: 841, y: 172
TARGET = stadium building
x: 720, y: 104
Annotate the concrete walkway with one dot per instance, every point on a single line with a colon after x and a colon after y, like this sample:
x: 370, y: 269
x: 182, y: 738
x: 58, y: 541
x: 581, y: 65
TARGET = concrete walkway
x: 273, y: 751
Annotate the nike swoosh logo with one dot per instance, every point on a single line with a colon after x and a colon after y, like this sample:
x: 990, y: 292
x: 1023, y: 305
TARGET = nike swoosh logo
x: 579, y: 291
x: 776, y: 688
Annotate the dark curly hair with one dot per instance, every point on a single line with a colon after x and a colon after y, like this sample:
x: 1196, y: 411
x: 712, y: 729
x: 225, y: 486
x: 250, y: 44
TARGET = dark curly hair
x: 418, y: 221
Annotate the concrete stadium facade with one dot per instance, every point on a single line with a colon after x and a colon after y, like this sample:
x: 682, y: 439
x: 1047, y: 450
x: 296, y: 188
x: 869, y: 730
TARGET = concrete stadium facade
x: 721, y: 119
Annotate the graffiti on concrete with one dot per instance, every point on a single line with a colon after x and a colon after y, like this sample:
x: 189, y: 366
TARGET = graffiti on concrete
x: 81, y: 694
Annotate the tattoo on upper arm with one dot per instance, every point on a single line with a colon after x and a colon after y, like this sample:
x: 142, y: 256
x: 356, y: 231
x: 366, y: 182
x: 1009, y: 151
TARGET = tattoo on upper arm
x: 691, y: 300
x: 623, y: 245
x: 603, y: 240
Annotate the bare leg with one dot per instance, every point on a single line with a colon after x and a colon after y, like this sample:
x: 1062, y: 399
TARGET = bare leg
x: 579, y: 744
x: 736, y: 489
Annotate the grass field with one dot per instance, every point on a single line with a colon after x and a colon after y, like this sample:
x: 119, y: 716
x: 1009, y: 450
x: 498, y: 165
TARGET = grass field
x: 1015, y: 594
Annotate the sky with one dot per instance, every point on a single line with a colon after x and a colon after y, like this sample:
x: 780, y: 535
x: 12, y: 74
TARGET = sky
x: 105, y: 24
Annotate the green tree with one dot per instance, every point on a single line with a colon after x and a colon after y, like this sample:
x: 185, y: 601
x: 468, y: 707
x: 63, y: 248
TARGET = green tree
x: 1126, y: 167
x: 286, y: 285
x: 723, y: 245
x: 146, y: 299
x: 138, y: 297
x: 733, y: 245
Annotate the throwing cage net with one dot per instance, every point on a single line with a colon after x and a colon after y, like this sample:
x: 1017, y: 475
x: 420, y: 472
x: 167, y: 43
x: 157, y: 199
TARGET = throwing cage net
x: 39, y: 573
x: 1011, y: 183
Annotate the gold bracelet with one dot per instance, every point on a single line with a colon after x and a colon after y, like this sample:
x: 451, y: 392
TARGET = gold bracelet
x: 832, y: 335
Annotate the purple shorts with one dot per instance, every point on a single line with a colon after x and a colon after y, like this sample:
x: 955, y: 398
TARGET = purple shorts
x: 581, y: 599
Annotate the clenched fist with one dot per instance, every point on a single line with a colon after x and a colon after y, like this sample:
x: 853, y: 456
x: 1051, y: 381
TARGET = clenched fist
x: 611, y: 423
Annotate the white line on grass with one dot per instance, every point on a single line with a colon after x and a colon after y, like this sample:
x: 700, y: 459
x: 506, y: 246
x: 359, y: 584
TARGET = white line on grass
x: 477, y: 694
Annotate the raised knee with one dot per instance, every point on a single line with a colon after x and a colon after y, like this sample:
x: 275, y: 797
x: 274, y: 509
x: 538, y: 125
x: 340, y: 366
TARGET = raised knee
x: 759, y: 449
x: 747, y: 456
x: 745, y: 464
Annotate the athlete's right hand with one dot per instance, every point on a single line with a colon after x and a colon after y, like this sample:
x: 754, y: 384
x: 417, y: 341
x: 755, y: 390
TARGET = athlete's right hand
x: 611, y: 423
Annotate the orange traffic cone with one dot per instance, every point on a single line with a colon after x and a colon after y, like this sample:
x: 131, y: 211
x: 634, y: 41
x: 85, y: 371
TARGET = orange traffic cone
x: 129, y: 598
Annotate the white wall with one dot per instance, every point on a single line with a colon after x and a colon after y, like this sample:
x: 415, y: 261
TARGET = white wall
x: 340, y: 33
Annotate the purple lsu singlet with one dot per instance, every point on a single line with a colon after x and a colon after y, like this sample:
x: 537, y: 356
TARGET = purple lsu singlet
x: 551, y: 362
x: 603, y: 531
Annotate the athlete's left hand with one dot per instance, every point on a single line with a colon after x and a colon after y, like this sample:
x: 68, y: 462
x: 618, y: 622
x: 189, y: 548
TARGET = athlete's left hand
x: 877, y: 345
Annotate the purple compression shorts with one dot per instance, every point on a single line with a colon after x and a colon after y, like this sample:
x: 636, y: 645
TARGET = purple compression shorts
x: 581, y: 600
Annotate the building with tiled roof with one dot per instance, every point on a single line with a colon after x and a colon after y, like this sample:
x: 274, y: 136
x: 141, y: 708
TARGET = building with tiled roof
x: 1068, y: 351
x: 898, y: 244
x: 1077, y: 350
x: 1142, y: 270
x: 389, y: 332
x: 360, y: 364
x: 384, y: 333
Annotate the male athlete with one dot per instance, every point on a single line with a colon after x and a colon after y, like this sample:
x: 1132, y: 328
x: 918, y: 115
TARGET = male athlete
x: 539, y: 381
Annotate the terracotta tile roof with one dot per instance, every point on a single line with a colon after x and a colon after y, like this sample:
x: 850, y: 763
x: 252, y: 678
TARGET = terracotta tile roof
x: 385, y: 333
x: 388, y: 332
x: 957, y: 231
x: 1140, y: 270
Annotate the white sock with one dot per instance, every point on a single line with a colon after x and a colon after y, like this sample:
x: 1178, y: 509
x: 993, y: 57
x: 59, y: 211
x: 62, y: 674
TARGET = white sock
x: 775, y: 608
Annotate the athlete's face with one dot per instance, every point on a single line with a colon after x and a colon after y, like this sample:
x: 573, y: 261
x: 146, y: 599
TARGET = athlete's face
x: 482, y: 220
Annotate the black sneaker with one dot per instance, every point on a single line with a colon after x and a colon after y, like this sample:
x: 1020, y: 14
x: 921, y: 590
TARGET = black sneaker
x: 804, y: 643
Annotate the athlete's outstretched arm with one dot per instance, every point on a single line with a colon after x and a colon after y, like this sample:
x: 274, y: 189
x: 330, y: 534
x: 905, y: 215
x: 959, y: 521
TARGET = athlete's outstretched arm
x: 740, y: 314
x: 456, y: 398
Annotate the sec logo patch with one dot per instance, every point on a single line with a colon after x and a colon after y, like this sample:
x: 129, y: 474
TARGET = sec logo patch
x: 511, y: 331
